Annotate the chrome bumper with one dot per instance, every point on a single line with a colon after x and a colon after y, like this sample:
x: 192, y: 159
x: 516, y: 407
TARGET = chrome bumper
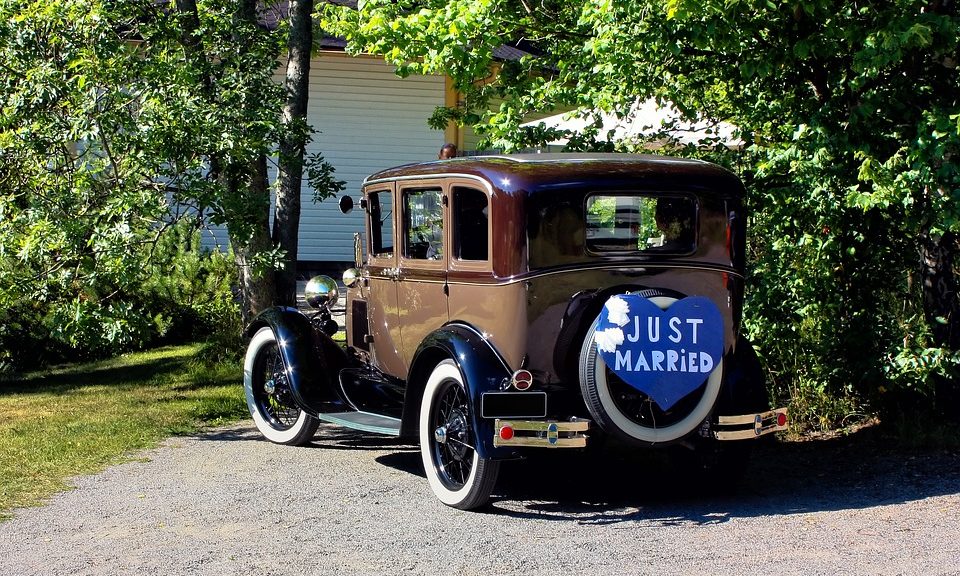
x: 540, y: 433
x: 750, y: 425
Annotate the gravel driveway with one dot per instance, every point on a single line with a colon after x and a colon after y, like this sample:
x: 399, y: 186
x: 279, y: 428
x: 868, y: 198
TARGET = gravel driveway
x: 227, y: 502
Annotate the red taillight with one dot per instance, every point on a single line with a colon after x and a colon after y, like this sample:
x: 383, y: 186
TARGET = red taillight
x: 781, y: 419
x: 522, y: 379
x: 506, y: 433
x: 729, y: 237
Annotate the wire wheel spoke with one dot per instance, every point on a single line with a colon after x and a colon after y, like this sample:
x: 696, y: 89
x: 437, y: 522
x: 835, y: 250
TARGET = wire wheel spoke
x: 272, y: 391
x: 642, y: 410
x: 461, y: 443
x: 456, y: 472
x: 454, y: 456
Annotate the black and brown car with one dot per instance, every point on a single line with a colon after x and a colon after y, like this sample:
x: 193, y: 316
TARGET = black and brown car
x: 515, y: 303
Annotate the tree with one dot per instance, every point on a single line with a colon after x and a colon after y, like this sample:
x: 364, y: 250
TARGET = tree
x: 76, y: 208
x: 120, y: 118
x: 292, y: 144
x: 231, y: 59
x: 849, y: 112
x: 246, y: 57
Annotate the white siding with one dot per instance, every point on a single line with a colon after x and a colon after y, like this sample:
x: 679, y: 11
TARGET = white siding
x: 367, y: 119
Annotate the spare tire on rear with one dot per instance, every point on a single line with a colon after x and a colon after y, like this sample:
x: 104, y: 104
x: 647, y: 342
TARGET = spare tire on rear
x: 626, y: 412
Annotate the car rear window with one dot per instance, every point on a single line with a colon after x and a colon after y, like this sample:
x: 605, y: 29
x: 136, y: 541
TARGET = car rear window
x: 641, y: 223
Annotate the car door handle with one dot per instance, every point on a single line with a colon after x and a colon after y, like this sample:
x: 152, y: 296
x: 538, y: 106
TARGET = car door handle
x: 391, y: 273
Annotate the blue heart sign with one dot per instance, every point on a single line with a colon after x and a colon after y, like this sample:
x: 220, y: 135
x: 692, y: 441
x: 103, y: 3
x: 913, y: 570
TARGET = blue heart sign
x: 666, y: 354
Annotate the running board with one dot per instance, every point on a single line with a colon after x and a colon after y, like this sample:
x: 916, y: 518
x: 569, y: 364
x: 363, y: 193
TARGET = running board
x: 364, y: 421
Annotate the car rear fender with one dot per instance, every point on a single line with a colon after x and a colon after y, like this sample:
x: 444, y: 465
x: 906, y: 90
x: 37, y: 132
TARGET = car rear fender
x: 744, y: 388
x: 312, y: 359
x: 483, y: 369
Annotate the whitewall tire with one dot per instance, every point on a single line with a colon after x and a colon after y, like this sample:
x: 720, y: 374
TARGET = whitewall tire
x: 457, y: 474
x: 269, y: 399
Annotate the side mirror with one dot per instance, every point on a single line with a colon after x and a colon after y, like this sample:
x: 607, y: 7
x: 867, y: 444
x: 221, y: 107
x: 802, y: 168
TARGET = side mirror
x: 346, y: 204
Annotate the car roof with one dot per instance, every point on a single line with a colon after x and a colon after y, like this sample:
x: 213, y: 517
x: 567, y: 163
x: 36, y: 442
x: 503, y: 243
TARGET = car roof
x: 530, y: 173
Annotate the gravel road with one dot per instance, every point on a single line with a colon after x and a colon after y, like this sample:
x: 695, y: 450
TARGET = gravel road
x: 227, y: 502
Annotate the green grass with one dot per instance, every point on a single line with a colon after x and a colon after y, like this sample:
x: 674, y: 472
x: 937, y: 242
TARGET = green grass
x: 79, y: 419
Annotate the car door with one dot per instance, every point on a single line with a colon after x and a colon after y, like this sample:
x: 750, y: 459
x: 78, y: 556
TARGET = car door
x: 383, y: 315
x: 423, y: 254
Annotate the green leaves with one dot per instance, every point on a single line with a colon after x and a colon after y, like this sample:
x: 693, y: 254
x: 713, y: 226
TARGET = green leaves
x: 849, y: 112
x: 118, y: 119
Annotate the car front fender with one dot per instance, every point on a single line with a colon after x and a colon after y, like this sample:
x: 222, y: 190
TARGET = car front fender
x: 312, y: 359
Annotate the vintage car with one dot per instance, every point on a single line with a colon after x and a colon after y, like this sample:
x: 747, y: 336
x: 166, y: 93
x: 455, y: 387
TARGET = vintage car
x: 508, y: 304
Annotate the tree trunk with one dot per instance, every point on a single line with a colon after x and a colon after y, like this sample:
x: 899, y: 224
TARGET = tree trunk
x: 941, y: 308
x: 286, y: 218
x: 940, y: 305
x: 257, y: 286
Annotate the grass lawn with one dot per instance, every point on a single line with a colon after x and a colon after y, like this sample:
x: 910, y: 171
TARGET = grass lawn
x: 79, y: 419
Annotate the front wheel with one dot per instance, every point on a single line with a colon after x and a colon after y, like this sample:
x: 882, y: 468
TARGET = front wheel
x: 457, y: 474
x: 269, y: 398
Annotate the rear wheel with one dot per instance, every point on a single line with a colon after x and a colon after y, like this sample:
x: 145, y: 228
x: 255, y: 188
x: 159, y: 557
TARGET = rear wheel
x: 456, y: 472
x: 269, y: 398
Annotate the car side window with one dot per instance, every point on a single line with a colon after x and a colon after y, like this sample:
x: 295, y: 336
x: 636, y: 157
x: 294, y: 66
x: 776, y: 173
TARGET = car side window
x: 471, y: 224
x: 381, y: 223
x: 423, y: 223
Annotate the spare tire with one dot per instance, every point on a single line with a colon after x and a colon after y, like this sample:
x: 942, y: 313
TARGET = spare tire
x: 628, y: 413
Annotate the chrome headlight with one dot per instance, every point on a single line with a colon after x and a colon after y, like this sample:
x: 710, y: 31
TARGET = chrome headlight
x: 321, y: 292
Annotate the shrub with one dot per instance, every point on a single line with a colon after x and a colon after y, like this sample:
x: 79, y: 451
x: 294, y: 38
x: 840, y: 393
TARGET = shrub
x: 184, y: 292
x: 832, y: 303
x: 24, y: 339
x: 188, y: 289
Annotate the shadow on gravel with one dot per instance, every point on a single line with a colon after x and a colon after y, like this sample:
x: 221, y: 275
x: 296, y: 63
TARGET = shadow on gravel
x: 230, y: 435
x: 618, y: 485
x: 403, y: 456
x: 328, y: 437
x: 857, y: 471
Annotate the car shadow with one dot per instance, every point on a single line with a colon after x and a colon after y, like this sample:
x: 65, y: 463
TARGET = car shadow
x: 614, y: 484
x: 852, y: 472
x: 328, y: 437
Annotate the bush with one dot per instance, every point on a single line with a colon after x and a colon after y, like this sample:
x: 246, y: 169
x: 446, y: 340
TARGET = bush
x: 833, y: 305
x: 24, y: 339
x: 188, y: 289
x: 183, y: 293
